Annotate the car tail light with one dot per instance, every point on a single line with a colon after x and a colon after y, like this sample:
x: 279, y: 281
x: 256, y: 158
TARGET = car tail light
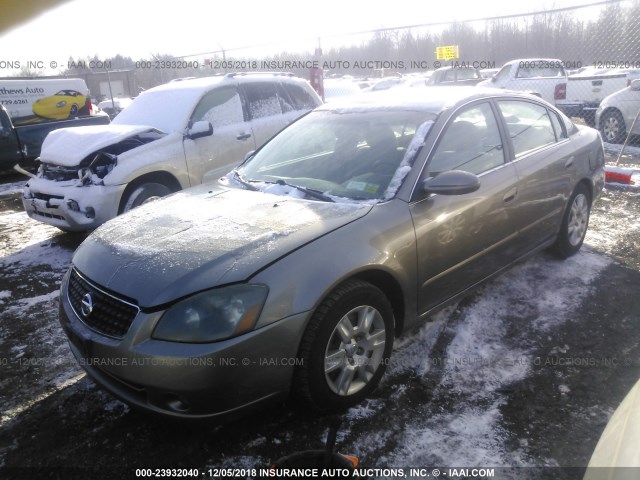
x: 89, y: 106
x: 560, y: 93
x: 628, y: 82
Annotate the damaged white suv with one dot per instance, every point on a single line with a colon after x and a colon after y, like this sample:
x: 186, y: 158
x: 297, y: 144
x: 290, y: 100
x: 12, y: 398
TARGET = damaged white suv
x: 171, y: 137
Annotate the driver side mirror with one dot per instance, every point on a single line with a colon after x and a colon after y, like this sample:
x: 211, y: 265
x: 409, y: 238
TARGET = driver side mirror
x: 453, y: 182
x: 202, y: 128
x: 635, y: 85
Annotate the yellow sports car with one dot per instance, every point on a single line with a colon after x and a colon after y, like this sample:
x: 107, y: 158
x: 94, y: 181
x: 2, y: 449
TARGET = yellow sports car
x: 64, y: 104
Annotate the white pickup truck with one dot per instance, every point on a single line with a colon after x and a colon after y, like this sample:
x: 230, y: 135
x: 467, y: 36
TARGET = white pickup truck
x: 543, y: 77
x: 587, y: 89
x: 171, y: 137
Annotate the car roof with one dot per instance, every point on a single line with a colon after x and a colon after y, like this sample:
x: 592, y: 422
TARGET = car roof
x: 205, y: 83
x: 433, y: 99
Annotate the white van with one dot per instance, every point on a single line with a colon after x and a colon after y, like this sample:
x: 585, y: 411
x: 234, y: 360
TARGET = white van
x: 34, y: 100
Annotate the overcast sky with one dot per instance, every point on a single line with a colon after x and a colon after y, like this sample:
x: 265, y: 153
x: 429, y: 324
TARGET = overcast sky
x: 140, y: 28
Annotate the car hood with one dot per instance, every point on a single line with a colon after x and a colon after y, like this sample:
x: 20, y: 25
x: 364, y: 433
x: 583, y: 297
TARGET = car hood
x: 202, y: 238
x: 67, y: 147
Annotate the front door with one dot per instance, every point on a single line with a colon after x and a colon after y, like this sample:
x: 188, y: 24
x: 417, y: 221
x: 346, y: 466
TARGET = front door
x: 462, y: 239
x: 232, y: 136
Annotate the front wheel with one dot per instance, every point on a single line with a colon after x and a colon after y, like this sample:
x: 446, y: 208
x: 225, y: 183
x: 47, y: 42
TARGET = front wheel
x: 612, y: 127
x: 145, y: 193
x: 574, y: 223
x: 345, y: 348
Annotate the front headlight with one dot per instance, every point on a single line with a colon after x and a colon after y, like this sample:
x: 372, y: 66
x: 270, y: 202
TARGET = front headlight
x: 61, y: 104
x: 212, y: 315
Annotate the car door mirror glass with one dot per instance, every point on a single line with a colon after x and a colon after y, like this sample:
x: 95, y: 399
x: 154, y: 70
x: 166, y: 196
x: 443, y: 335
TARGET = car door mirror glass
x: 635, y: 85
x: 453, y: 182
x: 202, y: 128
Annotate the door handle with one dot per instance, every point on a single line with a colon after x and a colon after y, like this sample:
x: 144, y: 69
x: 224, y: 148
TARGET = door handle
x: 510, y: 195
x: 243, y: 136
x: 569, y: 162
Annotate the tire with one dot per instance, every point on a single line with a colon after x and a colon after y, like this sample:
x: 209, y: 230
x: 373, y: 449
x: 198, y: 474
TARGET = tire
x: 74, y: 110
x: 342, y: 357
x: 612, y: 127
x: 147, y: 192
x: 574, y: 224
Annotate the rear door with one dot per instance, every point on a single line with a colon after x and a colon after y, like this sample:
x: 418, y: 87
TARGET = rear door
x: 545, y: 163
x: 266, y: 105
x: 232, y: 137
x: 461, y: 239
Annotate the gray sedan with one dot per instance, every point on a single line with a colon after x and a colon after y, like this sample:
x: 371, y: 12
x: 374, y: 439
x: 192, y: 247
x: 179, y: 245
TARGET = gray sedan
x: 295, y: 272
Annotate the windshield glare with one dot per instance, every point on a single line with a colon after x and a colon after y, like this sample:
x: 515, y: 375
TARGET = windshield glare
x: 353, y: 155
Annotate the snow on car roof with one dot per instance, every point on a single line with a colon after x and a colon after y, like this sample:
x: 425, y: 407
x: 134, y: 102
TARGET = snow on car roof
x: 202, y: 83
x: 432, y: 99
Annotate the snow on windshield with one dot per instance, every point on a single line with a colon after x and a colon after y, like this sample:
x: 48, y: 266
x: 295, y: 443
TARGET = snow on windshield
x: 165, y: 110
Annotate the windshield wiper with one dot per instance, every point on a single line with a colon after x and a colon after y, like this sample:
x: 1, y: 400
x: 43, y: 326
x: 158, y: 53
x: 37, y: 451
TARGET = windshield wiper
x: 244, y: 182
x: 309, y: 191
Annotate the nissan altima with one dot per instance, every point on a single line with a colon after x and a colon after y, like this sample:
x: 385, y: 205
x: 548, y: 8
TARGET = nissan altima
x: 293, y: 274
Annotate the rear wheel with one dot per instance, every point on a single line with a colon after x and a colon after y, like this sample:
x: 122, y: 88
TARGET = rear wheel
x: 74, y: 109
x: 145, y: 193
x: 612, y: 127
x: 346, y: 347
x: 574, y: 224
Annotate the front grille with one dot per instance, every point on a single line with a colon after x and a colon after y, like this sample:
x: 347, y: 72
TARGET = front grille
x: 110, y: 315
x: 46, y: 197
x: 59, y: 173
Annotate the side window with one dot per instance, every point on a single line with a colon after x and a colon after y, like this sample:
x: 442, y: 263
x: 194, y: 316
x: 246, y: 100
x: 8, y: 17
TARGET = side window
x: 557, y: 126
x: 262, y: 100
x: 302, y: 100
x: 528, y: 124
x: 221, y: 106
x: 471, y: 142
x: 449, y: 75
x: 467, y: 74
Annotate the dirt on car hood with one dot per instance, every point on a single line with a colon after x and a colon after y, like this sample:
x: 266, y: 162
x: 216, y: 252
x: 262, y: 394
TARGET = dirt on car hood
x: 202, y: 238
x: 67, y: 147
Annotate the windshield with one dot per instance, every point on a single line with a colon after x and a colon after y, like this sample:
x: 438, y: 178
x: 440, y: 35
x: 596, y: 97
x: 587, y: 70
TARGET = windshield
x: 356, y: 155
x: 164, y: 110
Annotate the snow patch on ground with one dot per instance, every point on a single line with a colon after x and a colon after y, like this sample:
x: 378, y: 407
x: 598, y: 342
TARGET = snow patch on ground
x: 7, y: 189
x: 487, y: 355
x: 30, y: 243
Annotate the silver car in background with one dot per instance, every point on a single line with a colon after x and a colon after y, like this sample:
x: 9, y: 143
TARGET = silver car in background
x: 296, y: 271
x: 616, y: 113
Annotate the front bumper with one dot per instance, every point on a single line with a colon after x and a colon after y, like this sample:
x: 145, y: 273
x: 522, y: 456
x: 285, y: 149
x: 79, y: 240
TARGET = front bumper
x: 69, y: 206
x: 186, y: 380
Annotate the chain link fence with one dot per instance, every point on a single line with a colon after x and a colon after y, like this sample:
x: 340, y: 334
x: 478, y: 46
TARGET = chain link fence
x: 600, y: 35
x: 598, y: 41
